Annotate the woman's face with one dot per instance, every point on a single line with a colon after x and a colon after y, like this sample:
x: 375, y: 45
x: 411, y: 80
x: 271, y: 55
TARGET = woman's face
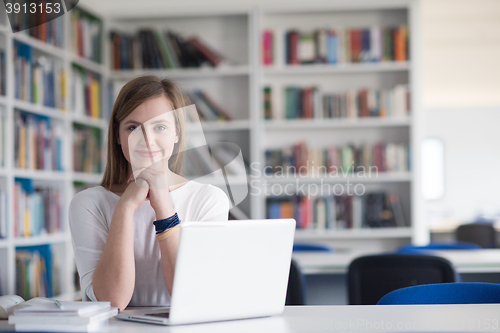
x: 148, y: 135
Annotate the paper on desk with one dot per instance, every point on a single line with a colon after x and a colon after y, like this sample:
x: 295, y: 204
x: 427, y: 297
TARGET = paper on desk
x: 43, y: 306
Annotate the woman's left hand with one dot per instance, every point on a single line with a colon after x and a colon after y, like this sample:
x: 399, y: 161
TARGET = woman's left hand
x: 154, y: 178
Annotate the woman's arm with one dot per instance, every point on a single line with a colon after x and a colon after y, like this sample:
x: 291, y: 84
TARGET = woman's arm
x: 114, y: 276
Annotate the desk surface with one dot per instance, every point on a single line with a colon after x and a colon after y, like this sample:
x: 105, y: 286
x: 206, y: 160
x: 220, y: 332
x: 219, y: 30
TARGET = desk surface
x: 465, y: 261
x: 368, y: 318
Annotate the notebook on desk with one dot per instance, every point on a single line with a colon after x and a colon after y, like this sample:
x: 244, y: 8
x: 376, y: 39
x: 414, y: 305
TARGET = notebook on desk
x: 226, y: 270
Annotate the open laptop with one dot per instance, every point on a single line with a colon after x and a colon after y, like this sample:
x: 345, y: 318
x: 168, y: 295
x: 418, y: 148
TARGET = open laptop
x: 226, y: 270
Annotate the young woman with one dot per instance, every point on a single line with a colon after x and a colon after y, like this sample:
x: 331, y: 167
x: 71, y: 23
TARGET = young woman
x: 125, y: 232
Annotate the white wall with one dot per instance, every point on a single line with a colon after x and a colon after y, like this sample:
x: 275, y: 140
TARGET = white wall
x: 461, y: 101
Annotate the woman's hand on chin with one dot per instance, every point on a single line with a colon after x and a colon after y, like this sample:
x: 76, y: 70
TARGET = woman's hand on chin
x: 154, y: 178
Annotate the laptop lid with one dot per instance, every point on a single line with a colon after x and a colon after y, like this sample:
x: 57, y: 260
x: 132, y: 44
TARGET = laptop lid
x: 231, y: 270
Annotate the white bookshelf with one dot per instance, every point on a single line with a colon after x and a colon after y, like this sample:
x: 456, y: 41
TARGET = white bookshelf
x: 60, y: 242
x: 341, y: 77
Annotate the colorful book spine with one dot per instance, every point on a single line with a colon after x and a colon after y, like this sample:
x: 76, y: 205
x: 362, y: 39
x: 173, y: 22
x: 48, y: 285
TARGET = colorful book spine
x: 86, y: 88
x: 87, y: 32
x: 38, y: 79
x: 87, y: 152
x: 3, y: 214
x: 38, y: 142
x: 37, y: 272
x: 37, y: 210
x: 267, y: 47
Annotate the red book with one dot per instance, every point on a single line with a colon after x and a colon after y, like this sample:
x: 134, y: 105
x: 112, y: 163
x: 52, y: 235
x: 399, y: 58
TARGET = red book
x: 363, y: 103
x: 293, y: 45
x: 79, y: 39
x: 212, y: 57
x: 356, y: 44
x: 267, y: 47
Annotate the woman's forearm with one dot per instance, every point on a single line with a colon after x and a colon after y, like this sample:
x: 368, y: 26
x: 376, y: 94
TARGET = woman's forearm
x: 114, y: 276
x: 168, y: 248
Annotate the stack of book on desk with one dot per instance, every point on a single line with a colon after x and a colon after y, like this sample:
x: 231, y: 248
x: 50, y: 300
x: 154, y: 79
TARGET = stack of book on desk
x: 43, y: 314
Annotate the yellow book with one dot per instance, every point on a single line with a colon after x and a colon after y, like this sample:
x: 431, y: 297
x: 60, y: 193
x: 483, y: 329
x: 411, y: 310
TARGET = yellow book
x: 27, y: 222
x: 63, y: 89
x: 95, y: 99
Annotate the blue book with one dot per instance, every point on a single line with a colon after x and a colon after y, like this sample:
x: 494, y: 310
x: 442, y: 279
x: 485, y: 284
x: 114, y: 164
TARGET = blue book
x: 332, y: 48
x: 273, y: 209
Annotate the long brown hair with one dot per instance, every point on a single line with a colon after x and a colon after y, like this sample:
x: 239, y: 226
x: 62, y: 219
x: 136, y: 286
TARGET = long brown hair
x: 133, y: 94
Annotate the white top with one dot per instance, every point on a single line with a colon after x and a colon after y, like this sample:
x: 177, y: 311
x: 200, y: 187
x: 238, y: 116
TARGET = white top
x: 90, y: 215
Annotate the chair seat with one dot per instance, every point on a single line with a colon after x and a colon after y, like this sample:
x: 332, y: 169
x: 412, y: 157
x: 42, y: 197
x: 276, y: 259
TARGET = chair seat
x: 444, y: 293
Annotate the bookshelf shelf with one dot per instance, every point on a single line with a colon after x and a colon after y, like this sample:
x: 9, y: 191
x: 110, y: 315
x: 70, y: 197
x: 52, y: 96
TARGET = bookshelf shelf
x: 324, y: 69
x: 43, y: 239
x: 86, y: 177
x: 364, y: 233
x: 3, y: 172
x: 4, y: 243
x: 88, y: 121
x: 40, y: 174
x: 51, y: 50
x: 205, y: 72
x: 300, y: 124
x: 381, y: 177
x: 226, y: 125
x: 87, y: 64
x: 40, y: 109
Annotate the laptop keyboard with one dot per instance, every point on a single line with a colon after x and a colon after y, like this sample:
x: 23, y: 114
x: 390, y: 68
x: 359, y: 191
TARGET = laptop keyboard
x: 159, y: 314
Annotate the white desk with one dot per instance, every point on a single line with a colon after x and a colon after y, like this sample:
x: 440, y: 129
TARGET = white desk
x: 372, y: 318
x: 467, y: 261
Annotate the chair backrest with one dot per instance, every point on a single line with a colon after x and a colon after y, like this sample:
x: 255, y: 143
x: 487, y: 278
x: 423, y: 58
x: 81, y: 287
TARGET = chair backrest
x: 445, y: 293
x: 296, y: 292
x: 372, y: 277
x: 437, y: 246
x: 482, y: 234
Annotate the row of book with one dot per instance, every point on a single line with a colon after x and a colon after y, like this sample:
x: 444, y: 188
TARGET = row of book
x: 338, y: 160
x: 86, y: 35
x: 3, y: 215
x: 43, y: 27
x: 154, y: 49
x: 310, y: 102
x: 38, y: 142
x: 86, y: 89
x: 37, y: 272
x: 208, y: 109
x: 87, y: 152
x: 38, y: 79
x: 334, y: 46
x: 370, y: 210
x: 37, y: 210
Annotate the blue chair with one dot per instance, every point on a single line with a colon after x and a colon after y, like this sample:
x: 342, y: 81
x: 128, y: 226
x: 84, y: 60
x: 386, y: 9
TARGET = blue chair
x: 310, y: 247
x: 413, y: 249
x: 444, y: 293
